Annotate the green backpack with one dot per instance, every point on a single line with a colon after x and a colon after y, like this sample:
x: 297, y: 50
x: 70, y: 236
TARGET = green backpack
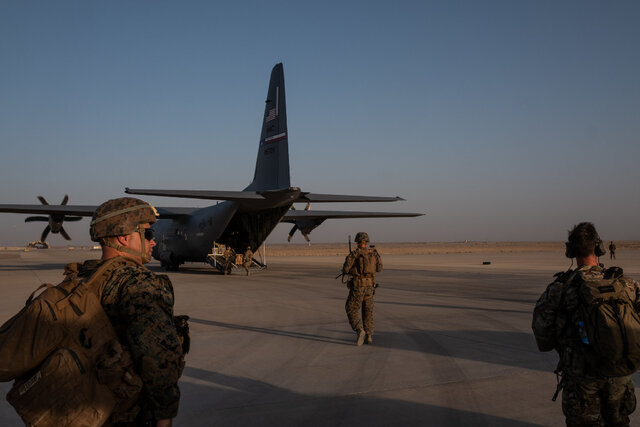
x: 608, y: 325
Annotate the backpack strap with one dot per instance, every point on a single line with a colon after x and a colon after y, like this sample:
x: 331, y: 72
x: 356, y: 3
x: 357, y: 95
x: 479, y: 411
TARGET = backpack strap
x: 33, y: 294
x: 106, y: 269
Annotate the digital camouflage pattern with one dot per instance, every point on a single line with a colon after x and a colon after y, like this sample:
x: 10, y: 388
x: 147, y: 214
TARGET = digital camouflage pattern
x: 359, y: 307
x: 587, y: 401
x: 362, y: 237
x: 139, y: 304
x: 586, y: 398
x: 120, y: 217
x: 361, y: 264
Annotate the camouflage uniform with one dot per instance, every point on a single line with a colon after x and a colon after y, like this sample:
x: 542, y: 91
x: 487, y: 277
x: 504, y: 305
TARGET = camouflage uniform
x: 228, y: 260
x: 612, y: 250
x: 361, y: 289
x: 247, y: 259
x: 587, y: 398
x: 139, y: 305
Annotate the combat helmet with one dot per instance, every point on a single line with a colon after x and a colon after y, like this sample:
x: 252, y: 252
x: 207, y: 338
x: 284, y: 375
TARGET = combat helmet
x: 119, y: 217
x: 362, y: 237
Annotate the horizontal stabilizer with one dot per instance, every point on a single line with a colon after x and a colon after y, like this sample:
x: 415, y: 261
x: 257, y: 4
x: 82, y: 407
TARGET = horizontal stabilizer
x: 293, y: 215
x: 261, y: 195
x: 198, y: 194
x: 337, y: 198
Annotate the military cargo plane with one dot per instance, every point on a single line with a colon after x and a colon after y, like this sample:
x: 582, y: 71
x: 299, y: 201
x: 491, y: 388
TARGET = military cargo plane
x: 244, y: 218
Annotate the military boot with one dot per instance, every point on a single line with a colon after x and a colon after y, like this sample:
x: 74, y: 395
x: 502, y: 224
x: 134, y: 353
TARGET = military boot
x: 361, y: 335
x: 369, y: 339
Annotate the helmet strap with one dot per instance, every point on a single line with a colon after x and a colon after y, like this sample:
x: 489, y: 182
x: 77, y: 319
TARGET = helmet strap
x: 142, y: 253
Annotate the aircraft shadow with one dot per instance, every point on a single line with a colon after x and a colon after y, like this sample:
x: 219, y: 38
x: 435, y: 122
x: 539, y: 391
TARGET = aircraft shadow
x: 226, y: 400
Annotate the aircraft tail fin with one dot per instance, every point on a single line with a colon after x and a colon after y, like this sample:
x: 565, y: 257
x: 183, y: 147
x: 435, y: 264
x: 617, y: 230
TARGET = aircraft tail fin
x: 272, y: 164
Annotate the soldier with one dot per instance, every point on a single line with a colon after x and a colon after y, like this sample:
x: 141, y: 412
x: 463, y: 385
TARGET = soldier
x: 228, y: 260
x: 247, y: 259
x: 361, y: 264
x: 612, y: 250
x: 139, y: 304
x: 588, y: 397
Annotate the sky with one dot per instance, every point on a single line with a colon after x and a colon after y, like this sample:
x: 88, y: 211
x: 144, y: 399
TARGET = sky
x: 499, y: 120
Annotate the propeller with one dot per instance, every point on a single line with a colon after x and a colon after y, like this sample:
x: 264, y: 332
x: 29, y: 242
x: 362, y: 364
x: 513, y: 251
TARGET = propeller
x: 305, y: 226
x: 55, y: 221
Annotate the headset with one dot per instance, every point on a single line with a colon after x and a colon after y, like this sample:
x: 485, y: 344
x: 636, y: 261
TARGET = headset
x: 598, y: 251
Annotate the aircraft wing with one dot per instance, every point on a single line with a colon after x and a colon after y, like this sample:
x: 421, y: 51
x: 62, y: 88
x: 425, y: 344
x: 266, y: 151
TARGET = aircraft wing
x: 293, y: 215
x: 85, y: 210
x: 74, y: 210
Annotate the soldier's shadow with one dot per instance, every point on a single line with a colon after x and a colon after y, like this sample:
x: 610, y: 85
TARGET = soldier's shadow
x: 278, y: 332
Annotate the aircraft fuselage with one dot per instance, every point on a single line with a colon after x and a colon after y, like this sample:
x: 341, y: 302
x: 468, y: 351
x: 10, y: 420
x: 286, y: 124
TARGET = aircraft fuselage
x: 237, y: 224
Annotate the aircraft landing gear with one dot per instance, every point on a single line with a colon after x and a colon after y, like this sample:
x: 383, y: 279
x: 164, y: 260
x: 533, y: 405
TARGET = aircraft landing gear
x: 170, y: 266
x: 168, y: 262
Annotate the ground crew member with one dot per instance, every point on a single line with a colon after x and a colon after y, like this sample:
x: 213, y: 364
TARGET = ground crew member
x: 139, y: 304
x: 612, y: 250
x: 361, y: 264
x: 588, y: 399
x: 247, y: 259
x: 229, y: 254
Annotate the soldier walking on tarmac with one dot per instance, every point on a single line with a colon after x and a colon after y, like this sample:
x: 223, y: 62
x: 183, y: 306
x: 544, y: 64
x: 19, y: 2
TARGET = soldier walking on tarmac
x: 247, y: 259
x: 229, y: 254
x: 361, y: 264
x: 612, y: 250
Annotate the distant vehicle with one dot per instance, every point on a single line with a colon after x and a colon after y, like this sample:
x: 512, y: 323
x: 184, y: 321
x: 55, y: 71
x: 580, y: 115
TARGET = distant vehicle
x: 245, y: 218
x: 37, y: 245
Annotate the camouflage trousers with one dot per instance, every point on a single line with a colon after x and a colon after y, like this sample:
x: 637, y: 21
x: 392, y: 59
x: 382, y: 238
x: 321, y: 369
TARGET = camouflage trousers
x: 595, y: 401
x: 360, y: 299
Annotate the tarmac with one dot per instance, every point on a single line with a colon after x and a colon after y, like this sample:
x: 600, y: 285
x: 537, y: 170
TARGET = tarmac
x: 453, y: 343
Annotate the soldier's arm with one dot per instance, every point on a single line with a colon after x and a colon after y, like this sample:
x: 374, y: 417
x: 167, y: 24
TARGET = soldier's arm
x: 147, y: 306
x: 544, y: 316
x: 348, y: 263
x: 378, y: 262
x: 633, y: 290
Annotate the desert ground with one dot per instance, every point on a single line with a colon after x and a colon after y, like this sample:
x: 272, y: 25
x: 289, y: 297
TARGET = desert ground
x: 453, y: 343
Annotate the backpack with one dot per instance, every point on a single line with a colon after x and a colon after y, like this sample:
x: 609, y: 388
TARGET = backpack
x: 64, y: 354
x: 610, y: 328
x: 365, y: 262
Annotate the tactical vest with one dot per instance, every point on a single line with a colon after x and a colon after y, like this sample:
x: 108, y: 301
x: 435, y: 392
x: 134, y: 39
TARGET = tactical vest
x: 362, y: 267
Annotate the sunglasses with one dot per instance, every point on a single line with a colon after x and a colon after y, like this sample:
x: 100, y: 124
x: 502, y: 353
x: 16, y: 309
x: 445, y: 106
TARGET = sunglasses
x: 148, y: 234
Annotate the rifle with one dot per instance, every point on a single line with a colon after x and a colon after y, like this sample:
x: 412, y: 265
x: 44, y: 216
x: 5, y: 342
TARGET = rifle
x: 341, y: 275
